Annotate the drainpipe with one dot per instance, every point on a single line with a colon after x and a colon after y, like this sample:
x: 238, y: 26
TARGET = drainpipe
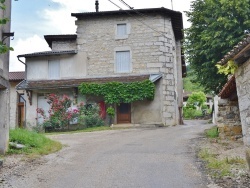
x: 18, y: 57
x: 24, y: 106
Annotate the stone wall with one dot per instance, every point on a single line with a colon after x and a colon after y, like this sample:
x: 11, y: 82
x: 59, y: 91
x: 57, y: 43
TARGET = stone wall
x: 151, y: 52
x: 228, y: 120
x: 242, y: 76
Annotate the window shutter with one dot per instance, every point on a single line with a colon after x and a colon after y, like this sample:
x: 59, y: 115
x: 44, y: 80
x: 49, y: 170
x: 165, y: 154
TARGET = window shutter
x: 123, y: 61
x: 54, y: 69
x: 121, y: 29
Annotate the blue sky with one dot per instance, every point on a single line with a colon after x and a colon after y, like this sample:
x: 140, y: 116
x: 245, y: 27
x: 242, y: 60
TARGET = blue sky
x: 32, y: 19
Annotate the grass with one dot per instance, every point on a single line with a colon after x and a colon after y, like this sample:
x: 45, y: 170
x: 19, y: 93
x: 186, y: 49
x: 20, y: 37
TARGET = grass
x: 212, y: 133
x: 35, y: 144
x: 219, y: 167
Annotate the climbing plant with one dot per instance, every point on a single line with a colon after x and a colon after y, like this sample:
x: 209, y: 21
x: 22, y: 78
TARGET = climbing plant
x: 3, y: 47
x: 118, y: 92
x: 229, y: 68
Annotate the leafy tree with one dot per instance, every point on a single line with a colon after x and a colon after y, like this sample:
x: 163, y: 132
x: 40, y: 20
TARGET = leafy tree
x: 217, y: 25
x: 3, y: 47
x: 189, y: 83
x: 196, y: 99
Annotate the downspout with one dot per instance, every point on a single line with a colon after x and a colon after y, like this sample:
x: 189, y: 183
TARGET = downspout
x: 18, y: 57
x: 19, y: 95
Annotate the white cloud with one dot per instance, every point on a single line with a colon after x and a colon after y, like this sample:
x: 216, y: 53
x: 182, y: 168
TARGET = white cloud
x: 29, y: 45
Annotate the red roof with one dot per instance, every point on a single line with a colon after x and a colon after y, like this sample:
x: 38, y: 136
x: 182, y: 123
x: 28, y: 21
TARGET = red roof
x: 16, y: 76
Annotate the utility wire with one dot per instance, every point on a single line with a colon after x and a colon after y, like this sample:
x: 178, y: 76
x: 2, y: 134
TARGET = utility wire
x: 115, y: 4
x: 159, y: 32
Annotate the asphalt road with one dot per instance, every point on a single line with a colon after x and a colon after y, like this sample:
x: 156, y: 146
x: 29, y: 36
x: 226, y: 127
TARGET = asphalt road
x: 131, y: 158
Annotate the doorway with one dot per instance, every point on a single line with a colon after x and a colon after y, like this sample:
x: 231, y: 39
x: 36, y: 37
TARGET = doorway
x: 124, y: 113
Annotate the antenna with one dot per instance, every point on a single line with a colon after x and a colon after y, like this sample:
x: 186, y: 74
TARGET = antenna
x: 172, y: 4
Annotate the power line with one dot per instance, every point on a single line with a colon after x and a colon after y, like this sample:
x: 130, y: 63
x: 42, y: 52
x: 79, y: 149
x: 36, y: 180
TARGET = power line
x: 115, y: 4
x: 159, y: 32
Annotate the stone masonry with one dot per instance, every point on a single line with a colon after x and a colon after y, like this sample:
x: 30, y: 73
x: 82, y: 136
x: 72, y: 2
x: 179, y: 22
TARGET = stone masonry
x: 242, y: 76
x: 151, y: 52
x: 228, y: 120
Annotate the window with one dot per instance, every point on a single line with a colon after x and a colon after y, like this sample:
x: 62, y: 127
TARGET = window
x: 54, y: 69
x: 121, y: 30
x: 122, y: 61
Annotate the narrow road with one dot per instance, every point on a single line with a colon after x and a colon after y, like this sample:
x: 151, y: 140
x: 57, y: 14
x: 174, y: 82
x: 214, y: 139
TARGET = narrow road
x: 130, y: 158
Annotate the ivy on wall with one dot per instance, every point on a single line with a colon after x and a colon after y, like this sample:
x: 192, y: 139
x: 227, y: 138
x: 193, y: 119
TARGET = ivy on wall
x: 118, y: 92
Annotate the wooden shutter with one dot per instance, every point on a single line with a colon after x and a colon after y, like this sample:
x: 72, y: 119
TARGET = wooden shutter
x: 121, y: 29
x: 54, y: 69
x: 123, y: 61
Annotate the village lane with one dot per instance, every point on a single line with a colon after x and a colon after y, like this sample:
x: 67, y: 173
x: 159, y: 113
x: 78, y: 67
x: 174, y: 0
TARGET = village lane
x: 129, y: 158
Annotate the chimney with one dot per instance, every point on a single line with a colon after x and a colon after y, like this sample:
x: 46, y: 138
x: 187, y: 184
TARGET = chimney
x: 97, y: 6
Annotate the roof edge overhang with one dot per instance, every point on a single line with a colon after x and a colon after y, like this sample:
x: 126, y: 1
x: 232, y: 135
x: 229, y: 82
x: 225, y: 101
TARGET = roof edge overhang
x: 48, y: 53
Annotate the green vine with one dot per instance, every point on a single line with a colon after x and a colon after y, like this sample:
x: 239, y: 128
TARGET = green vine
x: 229, y: 68
x: 118, y: 92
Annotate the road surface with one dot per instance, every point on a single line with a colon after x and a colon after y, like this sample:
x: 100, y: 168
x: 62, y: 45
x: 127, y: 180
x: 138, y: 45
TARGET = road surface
x: 129, y: 158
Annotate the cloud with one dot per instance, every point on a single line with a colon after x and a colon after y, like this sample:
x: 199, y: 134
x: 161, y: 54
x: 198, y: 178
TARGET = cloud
x: 29, y: 45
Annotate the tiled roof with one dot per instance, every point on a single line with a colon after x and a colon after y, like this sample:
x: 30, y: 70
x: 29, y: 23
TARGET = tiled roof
x: 66, y: 37
x: 16, y: 76
x: 69, y: 83
x: 228, y: 89
x: 245, y: 43
x: 48, y: 53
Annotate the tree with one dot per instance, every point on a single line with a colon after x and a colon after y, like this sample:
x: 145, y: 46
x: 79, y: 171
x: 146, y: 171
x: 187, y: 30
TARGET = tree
x: 196, y: 99
x: 217, y: 25
x: 189, y: 83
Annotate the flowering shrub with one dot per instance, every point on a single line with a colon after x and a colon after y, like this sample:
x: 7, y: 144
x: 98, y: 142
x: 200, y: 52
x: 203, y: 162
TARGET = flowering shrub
x: 60, y: 112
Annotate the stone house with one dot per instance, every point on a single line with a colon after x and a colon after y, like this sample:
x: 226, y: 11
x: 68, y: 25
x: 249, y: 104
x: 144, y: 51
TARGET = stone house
x: 4, y: 79
x: 240, y: 54
x: 113, y: 46
x: 17, y: 100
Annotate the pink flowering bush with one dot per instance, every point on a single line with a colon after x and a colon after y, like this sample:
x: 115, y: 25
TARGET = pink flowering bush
x: 60, y: 112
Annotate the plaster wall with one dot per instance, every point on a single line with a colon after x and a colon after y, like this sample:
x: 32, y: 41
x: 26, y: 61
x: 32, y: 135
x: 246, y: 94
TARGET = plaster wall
x: 71, y: 66
x: 63, y: 45
x: 242, y: 76
x: 146, y: 111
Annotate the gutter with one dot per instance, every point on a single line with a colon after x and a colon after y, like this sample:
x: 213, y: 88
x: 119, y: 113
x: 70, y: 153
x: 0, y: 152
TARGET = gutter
x: 18, y: 57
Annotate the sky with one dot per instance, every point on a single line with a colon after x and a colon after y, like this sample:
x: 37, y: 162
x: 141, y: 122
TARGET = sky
x: 32, y: 19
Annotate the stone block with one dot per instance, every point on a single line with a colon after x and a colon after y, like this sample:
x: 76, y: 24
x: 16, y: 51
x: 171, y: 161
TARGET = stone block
x: 237, y: 130
x: 222, y: 102
x: 167, y: 115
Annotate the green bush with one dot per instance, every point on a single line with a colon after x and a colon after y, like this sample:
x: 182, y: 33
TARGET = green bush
x: 191, y: 113
x: 89, y: 116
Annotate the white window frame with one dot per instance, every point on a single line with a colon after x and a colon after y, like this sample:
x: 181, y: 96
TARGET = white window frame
x: 49, y: 69
x: 128, y: 28
x: 123, y: 49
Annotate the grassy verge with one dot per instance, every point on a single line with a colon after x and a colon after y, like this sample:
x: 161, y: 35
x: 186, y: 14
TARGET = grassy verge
x: 220, y: 167
x: 35, y: 144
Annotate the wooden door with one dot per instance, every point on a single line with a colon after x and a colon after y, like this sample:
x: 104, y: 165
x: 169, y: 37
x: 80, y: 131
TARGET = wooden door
x: 124, y: 113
